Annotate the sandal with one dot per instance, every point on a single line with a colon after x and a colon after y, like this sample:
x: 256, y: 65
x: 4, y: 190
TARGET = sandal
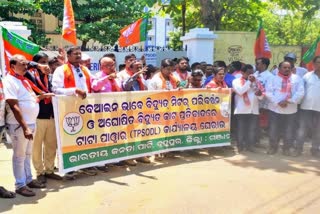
x: 6, y: 194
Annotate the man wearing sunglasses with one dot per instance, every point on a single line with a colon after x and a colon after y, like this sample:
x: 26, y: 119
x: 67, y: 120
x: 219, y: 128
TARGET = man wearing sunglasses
x: 72, y: 78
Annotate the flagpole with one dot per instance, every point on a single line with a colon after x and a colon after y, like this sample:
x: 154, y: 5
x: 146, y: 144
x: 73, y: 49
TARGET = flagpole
x: 2, y: 72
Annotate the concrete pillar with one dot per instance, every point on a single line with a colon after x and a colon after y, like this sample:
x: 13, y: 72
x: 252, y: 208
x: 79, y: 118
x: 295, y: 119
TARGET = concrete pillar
x: 200, y: 45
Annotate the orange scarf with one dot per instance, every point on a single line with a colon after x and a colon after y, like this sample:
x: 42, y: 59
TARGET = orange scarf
x: 114, y: 85
x: 69, y: 81
x: 286, y: 84
x: 172, y: 80
x: 141, y: 85
x: 245, y: 95
x: 215, y: 84
x: 27, y: 84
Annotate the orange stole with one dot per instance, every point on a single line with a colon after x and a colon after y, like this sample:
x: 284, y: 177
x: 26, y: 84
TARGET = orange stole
x: 69, y: 81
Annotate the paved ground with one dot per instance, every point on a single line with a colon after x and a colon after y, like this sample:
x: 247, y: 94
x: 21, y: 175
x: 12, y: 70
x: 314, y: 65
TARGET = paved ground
x: 205, y: 181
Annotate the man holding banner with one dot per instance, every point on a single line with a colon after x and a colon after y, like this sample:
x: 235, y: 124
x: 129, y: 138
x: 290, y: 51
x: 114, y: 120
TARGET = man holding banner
x: 72, y: 78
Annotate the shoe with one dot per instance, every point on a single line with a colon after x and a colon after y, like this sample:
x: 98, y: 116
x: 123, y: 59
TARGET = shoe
x: 53, y: 176
x: 102, y: 168
x: 143, y: 160
x: 130, y: 162
x: 89, y: 171
x: 36, y: 184
x: 25, y: 191
x: 6, y: 193
x: 42, y: 179
x: 70, y: 175
x: 271, y: 151
x: 158, y: 157
x: 169, y: 155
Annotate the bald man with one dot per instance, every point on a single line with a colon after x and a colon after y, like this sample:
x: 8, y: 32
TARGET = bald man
x: 105, y: 80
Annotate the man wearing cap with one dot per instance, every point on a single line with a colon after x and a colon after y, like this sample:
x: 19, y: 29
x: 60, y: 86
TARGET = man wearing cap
x: 86, y: 60
x: 291, y: 57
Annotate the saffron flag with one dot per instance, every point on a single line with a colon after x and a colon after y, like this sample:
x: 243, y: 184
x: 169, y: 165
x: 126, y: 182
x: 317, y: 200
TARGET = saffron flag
x: 261, y: 46
x: 133, y: 33
x: 68, y: 27
x: 15, y: 44
x: 313, y: 51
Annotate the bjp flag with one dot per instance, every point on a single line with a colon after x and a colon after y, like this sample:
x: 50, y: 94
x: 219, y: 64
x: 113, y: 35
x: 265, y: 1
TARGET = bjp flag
x: 261, y: 46
x: 69, y: 27
x: 133, y: 33
x: 313, y: 51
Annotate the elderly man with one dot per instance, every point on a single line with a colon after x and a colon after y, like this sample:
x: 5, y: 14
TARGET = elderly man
x: 284, y: 92
x: 105, y: 80
x: 21, y: 120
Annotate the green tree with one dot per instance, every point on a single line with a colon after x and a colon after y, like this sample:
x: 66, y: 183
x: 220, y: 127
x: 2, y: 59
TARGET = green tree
x: 8, y: 9
x: 99, y: 20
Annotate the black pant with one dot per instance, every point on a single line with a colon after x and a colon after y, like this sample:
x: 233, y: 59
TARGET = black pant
x: 246, y: 129
x: 281, y: 125
x: 309, y: 121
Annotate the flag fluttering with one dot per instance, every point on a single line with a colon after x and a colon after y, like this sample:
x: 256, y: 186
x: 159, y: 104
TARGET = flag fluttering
x: 313, y: 51
x: 133, y: 33
x: 69, y: 27
x: 16, y: 44
x: 261, y: 46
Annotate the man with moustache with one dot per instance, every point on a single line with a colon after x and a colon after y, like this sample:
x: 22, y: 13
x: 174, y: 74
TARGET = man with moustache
x: 105, y: 80
x: 21, y: 123
x: 181, y: 73
x: 284, y: 92
x: 72, y: 78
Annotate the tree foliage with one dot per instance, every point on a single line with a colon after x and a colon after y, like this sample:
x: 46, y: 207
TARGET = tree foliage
x: 10, y: 7
x: 99, y: 20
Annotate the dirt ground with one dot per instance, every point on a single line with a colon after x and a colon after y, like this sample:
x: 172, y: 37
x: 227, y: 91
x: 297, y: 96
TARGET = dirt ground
x: 217, y: 180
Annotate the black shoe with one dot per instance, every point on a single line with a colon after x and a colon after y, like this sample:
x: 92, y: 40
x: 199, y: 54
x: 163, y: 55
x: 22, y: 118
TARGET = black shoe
x: 36, y: 184
x: 25, y: 191
x: 102, y: 168
x: 42, y: 179
x: 53, y: 176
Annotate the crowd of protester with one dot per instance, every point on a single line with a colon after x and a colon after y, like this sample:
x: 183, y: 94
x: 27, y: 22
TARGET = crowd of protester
x: 283, y: 102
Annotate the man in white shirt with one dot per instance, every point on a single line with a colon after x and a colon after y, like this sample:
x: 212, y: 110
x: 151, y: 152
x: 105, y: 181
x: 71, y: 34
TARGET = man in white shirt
x: 291, y: 57
x: 72, y: 78
x: 247, y: 91
x: 310, y: 111
x: 285, y: 91
x: 23, y: 109
x: 263, y: 75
